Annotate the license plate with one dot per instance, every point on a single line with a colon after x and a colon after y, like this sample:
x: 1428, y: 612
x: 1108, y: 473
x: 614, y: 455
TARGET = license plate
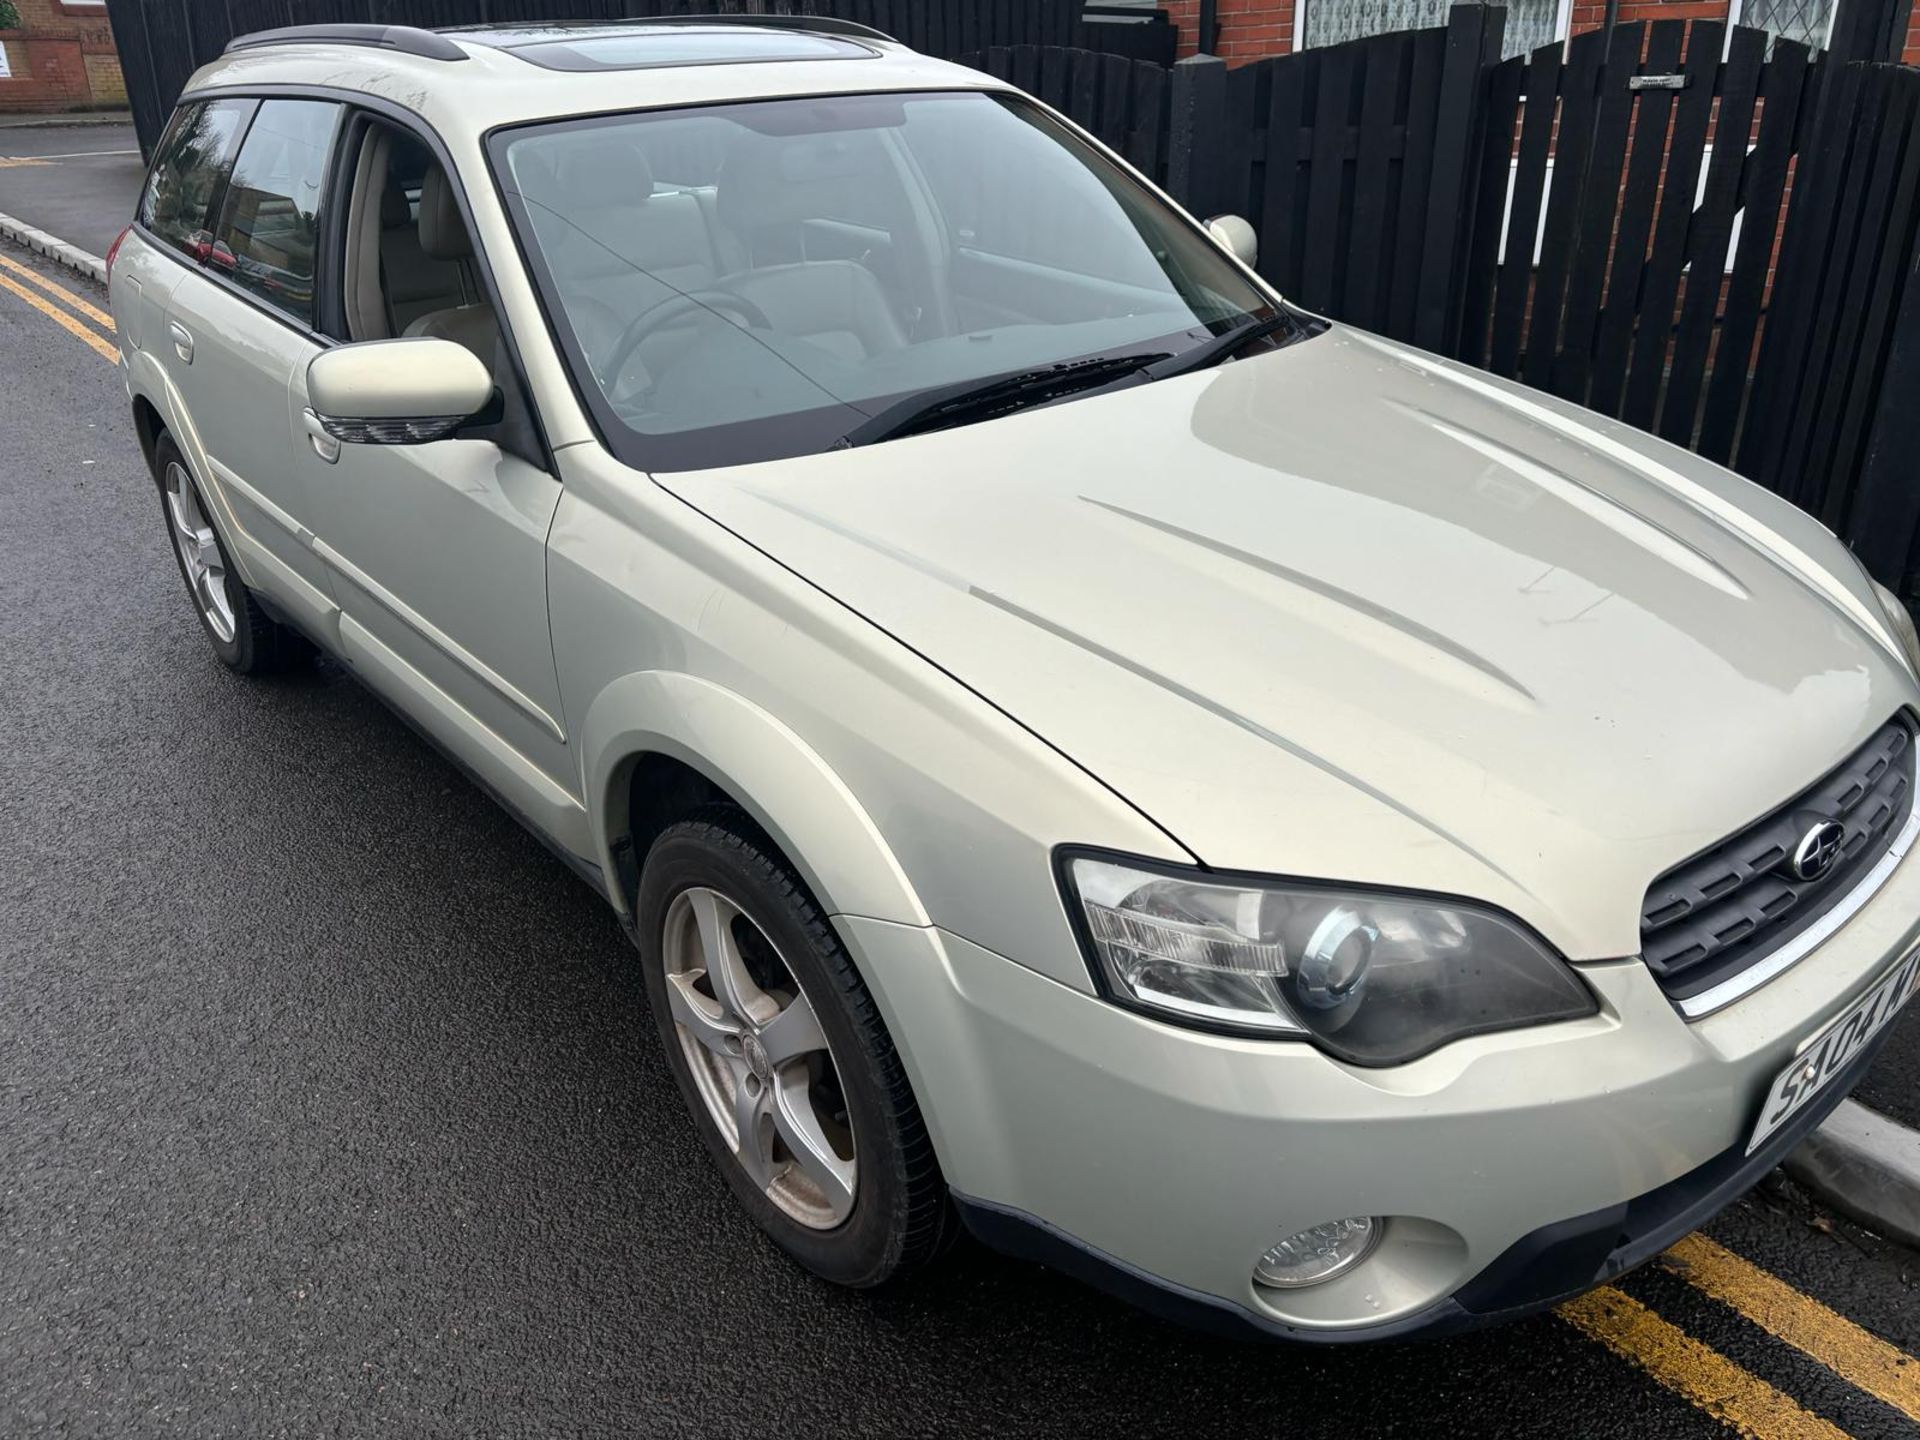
x: 1828, y: 1054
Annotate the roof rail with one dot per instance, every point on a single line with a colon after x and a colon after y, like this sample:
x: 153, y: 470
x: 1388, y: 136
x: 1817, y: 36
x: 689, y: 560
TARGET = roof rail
x: 403, y: 38
x: 818, y: 24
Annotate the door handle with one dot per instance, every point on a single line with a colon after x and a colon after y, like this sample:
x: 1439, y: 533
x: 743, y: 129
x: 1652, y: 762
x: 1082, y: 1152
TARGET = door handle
x: 324, y: 445
x: 182, y: 342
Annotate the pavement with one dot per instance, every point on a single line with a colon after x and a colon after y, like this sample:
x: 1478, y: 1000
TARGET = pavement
x: 329, y: 1105
x: 78, y: 180
x: 1893, y: 1085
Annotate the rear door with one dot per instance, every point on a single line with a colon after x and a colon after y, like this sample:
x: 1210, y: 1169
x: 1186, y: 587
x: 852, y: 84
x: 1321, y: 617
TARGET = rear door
x: 190, y: 166
x: 240, y: 329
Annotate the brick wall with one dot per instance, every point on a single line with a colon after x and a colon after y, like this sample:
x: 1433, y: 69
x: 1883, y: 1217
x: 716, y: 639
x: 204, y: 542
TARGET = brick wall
x: 62, y: 58
x: 1249, y: 29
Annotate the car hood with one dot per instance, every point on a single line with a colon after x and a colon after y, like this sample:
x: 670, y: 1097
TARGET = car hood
x: 1347, y: 611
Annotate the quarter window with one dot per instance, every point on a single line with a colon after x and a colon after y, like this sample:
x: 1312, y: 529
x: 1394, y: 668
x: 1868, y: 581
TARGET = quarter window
x: 265, y: 240
x: 193, y: 160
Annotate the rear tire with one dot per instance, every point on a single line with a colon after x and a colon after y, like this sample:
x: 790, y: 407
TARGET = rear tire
x: 875, y: 1208
x: 247, y: 640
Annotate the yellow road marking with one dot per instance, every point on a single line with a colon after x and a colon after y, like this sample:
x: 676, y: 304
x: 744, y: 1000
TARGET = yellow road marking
x: 1863, y: 1360
x: 74, y: 302
x: 61, y: 318
x: 1694, y: 1370
x: 14, y: 162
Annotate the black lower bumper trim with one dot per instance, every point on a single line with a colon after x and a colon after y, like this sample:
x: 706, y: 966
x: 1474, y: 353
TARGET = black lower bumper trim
x: 1553, y: 1263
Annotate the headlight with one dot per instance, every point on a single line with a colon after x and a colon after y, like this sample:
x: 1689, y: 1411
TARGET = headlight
x: 1900, y: 619
x: 1375, y: 979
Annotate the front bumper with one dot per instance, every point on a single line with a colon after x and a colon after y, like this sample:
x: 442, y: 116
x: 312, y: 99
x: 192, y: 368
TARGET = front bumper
x: 1514, y: 1169
x: 1554, y: 1263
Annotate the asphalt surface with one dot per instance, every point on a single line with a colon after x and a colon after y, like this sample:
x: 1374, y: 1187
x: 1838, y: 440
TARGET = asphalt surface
x: 329, y: 1104
x: 78, y: 182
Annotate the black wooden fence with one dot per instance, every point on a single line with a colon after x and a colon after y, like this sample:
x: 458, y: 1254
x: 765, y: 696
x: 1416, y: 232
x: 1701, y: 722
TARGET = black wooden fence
x: 1833, y: 422
x: 1721, y: 251
x: 162, y: 42
x: 1351, y: 161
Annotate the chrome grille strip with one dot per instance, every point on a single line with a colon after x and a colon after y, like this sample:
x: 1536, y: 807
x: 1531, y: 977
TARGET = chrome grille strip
x: 1815, y: 935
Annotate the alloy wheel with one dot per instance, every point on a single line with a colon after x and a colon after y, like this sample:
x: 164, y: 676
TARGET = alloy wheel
x: 200, y: 557
x: 759, y: 1058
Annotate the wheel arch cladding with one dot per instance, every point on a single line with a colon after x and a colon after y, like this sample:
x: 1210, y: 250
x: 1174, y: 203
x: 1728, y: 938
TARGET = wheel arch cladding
x: 148, y: 426
x: 679, y: 723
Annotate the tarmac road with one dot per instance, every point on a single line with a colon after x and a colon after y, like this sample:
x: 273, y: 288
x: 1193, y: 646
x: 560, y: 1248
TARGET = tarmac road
x: 329, y: 1106
x: 76, y: 181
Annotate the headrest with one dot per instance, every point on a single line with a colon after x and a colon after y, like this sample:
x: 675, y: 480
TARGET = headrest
x: 587, y: 170
x: 443, y: 234
x: 779, y: 179
x: 394, y: 209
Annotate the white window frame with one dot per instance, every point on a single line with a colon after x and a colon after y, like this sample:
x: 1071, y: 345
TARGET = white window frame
x: 1562, y: 22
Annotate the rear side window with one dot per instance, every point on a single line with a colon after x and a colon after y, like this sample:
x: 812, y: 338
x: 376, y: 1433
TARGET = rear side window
x: 193, y: 161
x: 265, y: 240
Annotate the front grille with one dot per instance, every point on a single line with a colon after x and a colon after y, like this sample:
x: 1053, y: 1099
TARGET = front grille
x: 1705, y: 921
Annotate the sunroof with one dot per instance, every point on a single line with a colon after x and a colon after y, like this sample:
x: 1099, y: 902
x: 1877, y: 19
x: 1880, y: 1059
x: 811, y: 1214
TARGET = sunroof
x: 653, y: 48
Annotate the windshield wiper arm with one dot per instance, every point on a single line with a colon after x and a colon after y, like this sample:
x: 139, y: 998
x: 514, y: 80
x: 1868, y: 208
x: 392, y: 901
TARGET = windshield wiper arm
x: 1222, y: 347
x: 1002, y: 394
x: 973, y: 400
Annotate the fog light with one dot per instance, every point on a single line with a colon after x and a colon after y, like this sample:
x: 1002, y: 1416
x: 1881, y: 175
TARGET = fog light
x: 1319, y: 1253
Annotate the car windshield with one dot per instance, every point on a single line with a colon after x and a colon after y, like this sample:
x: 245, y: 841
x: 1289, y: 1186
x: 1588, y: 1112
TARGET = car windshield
x: 752, y: 281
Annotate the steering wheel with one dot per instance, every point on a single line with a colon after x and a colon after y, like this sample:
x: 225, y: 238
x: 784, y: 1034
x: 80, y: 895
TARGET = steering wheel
x: 671, y: 309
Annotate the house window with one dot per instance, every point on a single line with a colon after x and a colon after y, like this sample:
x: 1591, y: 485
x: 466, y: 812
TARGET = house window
x: 1530, y: 23
x: 1808, y: 21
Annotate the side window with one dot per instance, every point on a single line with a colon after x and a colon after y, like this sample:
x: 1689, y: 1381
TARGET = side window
x: 193, y: 160
x: 268, y: 225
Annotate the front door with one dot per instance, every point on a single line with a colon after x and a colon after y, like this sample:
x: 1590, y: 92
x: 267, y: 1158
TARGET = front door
x: 436, y: 553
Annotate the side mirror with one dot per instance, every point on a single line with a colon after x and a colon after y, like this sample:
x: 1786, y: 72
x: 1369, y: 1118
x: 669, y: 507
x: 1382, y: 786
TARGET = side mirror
x: 395, y: 392
x: 1238, y: 236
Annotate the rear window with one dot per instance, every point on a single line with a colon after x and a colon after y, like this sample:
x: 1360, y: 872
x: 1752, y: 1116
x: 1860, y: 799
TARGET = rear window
x: 194, y: 158
x: 268, y: 224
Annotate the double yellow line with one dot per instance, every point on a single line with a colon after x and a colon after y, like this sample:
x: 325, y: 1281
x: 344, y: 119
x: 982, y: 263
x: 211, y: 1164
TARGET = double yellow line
x: 69, y: 319
x: 1725, y: 1390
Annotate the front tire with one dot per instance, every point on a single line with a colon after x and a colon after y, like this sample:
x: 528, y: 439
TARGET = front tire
x: 247, y: 640
x: 792, y: 1080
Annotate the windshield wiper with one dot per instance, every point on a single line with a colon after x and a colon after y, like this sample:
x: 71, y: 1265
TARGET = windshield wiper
x: 1222, y: 347
x: 973, y: 400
